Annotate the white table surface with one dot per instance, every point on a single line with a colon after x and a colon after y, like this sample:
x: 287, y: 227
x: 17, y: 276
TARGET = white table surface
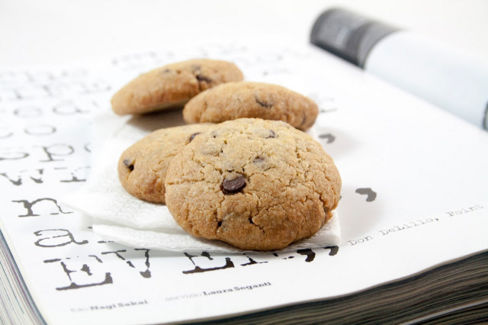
x: 59, y: 31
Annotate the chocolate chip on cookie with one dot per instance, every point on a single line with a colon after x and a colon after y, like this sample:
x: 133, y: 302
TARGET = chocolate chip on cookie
x: 272, y: 134
x: 236, y: 185
x: 172, y: 85
x: 251, y: 99
x: 129, y: 163
x: 193, y: 136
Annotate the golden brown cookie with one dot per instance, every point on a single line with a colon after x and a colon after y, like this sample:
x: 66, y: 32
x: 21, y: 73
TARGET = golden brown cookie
x: 254, y: 184
x: 142, y: 167
x: 172, y: 85
x: 251, y: 99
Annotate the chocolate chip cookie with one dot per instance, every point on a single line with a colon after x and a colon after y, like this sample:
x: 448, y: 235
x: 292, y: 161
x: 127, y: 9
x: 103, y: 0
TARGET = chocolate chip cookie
x: 172, y: 85
x: 251, y: 99
x: 254, y: 184
x: 142, y: 167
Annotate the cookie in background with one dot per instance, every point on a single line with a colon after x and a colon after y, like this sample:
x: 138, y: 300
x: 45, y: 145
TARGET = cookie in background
x: 142, y: 167
x: 172, y: 85
x: 235, y: 100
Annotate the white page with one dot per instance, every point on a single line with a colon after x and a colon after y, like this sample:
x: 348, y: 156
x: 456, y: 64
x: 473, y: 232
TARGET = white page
x: 414, y: 194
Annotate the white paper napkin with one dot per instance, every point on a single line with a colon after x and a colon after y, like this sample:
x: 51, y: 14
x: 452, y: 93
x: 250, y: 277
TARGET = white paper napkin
x: 122, y: 218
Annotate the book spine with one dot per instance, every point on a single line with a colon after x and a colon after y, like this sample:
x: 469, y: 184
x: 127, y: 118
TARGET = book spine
x: 446, y: 77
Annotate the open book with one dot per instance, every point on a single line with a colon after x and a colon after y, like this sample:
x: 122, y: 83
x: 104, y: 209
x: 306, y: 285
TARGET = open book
x: 413, y: 212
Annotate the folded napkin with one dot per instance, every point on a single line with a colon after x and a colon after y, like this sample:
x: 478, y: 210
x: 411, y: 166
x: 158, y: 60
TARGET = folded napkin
x: 122, y: 218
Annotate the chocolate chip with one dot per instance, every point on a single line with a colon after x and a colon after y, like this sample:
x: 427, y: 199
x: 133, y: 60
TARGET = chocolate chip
x: 233, y: 186
x: 219, y: 224
x: 272, y: 134
x: 262, y: 103
x: 203, y: 78
x: 128, y: 164
x: 193, y: 136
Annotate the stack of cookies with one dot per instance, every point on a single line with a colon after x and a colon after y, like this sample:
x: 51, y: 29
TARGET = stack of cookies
x: 243, y: 172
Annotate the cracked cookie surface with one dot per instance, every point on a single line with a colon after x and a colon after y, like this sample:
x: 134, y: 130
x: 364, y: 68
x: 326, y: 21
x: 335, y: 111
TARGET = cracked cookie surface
x: 235, y: 100
x: 142, y: 167
x: 254, y: 184
x: 172, y: 85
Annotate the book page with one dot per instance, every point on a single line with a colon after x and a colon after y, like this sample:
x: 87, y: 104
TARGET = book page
x: 413, y: 197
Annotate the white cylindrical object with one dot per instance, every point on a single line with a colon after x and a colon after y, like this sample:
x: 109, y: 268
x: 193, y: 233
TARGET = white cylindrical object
x: 433, y: 71
x: 444, y: 76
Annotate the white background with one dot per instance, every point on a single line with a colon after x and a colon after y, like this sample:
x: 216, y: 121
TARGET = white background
x: 60, y: 31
